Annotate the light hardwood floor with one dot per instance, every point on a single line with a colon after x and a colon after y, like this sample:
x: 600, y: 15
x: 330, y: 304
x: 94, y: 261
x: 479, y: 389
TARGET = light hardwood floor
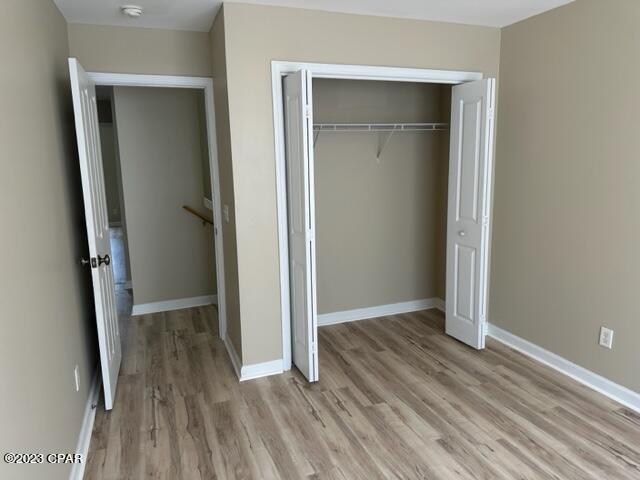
x: 397, y: 399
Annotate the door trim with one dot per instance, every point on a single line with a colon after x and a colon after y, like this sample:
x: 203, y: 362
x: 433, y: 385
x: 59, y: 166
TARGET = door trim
x: 337, y: 71
x: 198, y: 83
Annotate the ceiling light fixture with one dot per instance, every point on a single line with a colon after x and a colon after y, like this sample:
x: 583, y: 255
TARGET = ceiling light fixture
x: 133, y: 11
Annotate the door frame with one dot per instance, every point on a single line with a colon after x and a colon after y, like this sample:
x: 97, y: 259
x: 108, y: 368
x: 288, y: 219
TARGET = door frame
x: 336, y: 71
x: 197, y: 83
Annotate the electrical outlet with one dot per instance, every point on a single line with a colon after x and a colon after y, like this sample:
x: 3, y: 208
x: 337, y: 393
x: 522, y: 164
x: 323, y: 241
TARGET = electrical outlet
x: 606, y: 337
x: 76, y: 376
x: 225, y: 212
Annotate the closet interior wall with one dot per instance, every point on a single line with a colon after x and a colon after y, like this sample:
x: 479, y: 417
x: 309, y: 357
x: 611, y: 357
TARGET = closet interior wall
x: 380, y: 223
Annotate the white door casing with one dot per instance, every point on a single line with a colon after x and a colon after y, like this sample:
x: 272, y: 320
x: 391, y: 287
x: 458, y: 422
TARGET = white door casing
x: 279, y: 69
x: 301, y: 221
x: 470, y: 170
x: 97, y: 222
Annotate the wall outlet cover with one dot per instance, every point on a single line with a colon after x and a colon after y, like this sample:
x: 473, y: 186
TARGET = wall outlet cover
x: 606, y: 337
x: 76, y: 376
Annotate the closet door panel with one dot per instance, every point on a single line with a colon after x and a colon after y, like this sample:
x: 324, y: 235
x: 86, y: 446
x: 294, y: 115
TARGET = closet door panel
x: 300, y: 203
x: 468, y: 217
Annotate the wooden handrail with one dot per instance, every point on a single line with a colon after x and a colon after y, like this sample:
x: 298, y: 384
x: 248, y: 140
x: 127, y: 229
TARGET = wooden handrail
x: 201, y: 216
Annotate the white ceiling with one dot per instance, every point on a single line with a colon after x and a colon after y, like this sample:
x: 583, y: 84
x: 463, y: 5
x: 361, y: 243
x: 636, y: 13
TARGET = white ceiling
x: 198, y: 15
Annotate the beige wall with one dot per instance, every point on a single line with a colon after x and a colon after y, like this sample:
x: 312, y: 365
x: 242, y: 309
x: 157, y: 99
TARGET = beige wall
x: 256, y: 35
x: 45, y: 304
x: 140, y: 50
x: 379, y: 224
x: 170, y: 251
x: 567, y: 190
x: 232, y: 294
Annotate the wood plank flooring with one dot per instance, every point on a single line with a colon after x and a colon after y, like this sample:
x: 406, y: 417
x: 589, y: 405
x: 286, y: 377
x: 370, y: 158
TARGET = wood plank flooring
x: 397, y: 399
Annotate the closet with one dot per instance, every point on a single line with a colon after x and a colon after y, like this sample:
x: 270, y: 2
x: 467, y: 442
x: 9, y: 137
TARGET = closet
x: 384, y: 188
x: 381, y: 169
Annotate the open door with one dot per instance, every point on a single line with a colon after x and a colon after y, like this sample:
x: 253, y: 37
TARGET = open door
x: 95, y: 206
x: 301, y: 205
x: 470, y: 160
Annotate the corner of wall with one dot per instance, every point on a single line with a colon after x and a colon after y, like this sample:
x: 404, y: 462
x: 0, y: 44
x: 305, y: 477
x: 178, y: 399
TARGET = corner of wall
x: 217, y: 37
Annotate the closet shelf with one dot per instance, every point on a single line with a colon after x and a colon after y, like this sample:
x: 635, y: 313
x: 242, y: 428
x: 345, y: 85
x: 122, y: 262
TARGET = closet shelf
x: 379, y: 127
x: 390, y: 128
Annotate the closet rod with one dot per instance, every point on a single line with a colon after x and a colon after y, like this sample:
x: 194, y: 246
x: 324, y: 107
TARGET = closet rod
x: 379, y: 127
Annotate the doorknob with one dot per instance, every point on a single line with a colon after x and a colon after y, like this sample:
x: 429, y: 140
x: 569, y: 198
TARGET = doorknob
x: 84, y: 262
x: 462, y: 233
x: 106, y: 260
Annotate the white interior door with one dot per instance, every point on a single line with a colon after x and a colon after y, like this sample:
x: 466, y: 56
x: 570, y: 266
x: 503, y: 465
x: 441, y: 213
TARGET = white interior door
x: 300, y: 202
x: 95, y: 207
x: 470, y: 160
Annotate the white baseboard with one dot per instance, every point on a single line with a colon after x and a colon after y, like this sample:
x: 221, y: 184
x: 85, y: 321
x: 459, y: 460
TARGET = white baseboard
x: 84, y: 438
x: 233, y: 356
x: 274, y: 367
x: 379, y: 311
x: 256, y: 370
x: 616, y: 392
x: 179, y: 304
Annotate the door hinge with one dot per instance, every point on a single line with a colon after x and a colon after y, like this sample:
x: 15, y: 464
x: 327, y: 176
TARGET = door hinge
x: 310, y: 235
x: 307, y: 111
x: 314, y: 348
x: 490, y: 113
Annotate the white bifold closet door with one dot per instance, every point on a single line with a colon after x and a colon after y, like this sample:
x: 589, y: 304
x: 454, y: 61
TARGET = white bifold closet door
x: 470, y: 160
x: 301, y: 221
x: 95, y: 207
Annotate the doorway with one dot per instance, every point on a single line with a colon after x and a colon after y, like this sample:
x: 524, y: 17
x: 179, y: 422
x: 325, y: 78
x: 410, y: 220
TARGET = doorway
x: 162, y: 179
x: 469, y: 199
x: 96, y: 206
